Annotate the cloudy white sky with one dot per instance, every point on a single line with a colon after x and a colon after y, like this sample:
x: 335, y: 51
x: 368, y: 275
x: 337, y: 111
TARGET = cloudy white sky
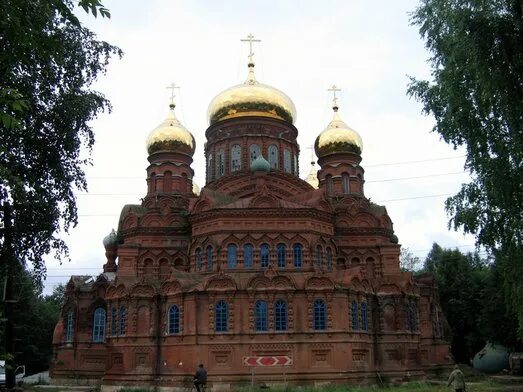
x: 367, y: 48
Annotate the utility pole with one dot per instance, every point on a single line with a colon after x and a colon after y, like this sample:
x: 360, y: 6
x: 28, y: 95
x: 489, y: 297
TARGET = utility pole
x: 8, y: 300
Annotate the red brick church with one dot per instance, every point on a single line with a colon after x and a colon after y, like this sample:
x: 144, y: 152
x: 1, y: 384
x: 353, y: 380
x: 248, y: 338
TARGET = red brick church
x: 259, y: 264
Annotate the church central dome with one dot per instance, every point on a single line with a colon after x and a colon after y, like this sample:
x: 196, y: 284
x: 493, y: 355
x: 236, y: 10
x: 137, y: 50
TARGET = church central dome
x: 251, y: 99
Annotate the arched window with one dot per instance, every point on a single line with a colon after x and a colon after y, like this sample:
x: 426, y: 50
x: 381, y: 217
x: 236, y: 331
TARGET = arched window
x: 174, y: 320
x: 296, y: 164
x: 168, y: 182
x: 209, y: 258
x: 287, y: 161
x: 254, y: 151
x: 412, y: 318
x: 297, y: 255
x: 319, y: 315
x: 280, y: 250
x: 210, y: 168
x: 364, y: 323
x: 69, y: 327
x: 273, y: 156
x: 329, y: 259
x: 354, y: 312
x: 221, y: 316
x: 232, y: 256
x: 280, y: 315
x: 236, y: 158
x: 199, y: 261
x: 220, y: 163
x: 248, y: 253
x: 328, y: 178
x: 346, y: 183
x: 261, y: 316
x: 114, y: 321
x: 99, y: 325
x: 319, y: 256
x: 123, y: 319
x: 264, y: 255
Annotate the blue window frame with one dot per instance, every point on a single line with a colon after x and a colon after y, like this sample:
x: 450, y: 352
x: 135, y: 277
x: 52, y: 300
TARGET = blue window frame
x: 232, y: 256
x: 280, y: 250
x: 69, y: 326
x: 329, y: 259
x: 209, y: 258
x: 319, y: 256
x: 354, y: 312
x: 221, y: 316
x: 319, y: 311
x: 198, y: 256
x: 264, y: 255
x: 364, y: 323
x: 99, y: 325
x: 123, y: 319
x: 174, y: 320
x: 114, y: 321
x: 248, y: 255
x: 280, y: 315
x: 261, y: 316
x: 297, y: 254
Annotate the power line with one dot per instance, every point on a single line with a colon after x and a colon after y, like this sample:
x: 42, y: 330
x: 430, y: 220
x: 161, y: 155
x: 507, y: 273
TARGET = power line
x: 416, y: 177
x: 418, y: 161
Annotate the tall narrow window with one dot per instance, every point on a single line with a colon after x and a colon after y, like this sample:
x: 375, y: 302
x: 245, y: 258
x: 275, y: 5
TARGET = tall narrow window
x: 168, y: 182
x: 248, y: 253
x: 69, y: 327
x: 153, y: 182
x: 210, y: 168
x: 261, y: 316
x: 221, y: 316
x: 319, y: 256
x: 236, y: 158
x: 264, y: 255
x: 220, y: 163
x: 364, y: 323
x: 354, y: 312
x: 273, y: 156
x: 297, y: 255
x: 114, y: 321
x: 319, y: 315
x: 296, y: 164
x: 329, y: 259
x: 99, y: 325
x: 412, y: 318
x: 328, y: 178
x: 254, y: 151
x: 280, y: 315
x: 232, y: 256
x: 174, y: 320
x: 287, y: 161
x: 280, y: 250
x: 346, y: 183
x: 199, y: 261
x: 123, y: 320
x: 209, y: 258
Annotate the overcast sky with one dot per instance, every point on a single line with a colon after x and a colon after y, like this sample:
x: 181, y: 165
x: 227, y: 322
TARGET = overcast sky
x: 367, y: 48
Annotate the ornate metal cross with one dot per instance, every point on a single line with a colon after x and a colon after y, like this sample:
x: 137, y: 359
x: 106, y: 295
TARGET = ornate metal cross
x: 250, y: 39
x: 334, y: 89
x: 172, y: 86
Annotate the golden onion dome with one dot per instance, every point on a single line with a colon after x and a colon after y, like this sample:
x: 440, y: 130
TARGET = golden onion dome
x: 338, y: 137
x: 170, y: 136
x: 251, y: 99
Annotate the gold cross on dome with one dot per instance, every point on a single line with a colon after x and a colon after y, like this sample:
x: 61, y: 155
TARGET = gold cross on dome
x: 334, y: 89
x: 172, y: 86
x: 250, y: 39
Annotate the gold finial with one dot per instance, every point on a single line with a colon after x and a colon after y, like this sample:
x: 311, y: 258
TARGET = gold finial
x: 334, y: 89
x: 250, y: 39
x: 172, y: 86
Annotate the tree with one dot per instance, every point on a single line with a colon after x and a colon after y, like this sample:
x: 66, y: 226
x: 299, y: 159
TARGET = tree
x: 48, y: 62
x: 476, y: 97
x: 409, y: 262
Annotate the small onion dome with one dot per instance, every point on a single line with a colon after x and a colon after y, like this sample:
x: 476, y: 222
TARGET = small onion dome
x: 171, y: 135
x: 251, y: 99
x: 260, y: 164
x: 312, y: 178
x: 110, y: 239
x: 337, y: 138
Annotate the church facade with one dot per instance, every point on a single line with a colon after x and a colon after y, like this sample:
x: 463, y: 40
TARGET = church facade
x: 260, y: 263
